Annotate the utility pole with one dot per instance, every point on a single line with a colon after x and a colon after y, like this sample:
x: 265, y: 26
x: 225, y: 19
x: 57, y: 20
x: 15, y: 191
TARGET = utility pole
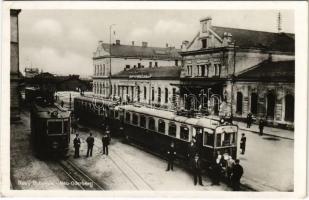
x: 110, y: 59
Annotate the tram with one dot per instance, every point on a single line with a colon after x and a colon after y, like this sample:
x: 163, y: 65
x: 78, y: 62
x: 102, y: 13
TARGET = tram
x: 156, y: 129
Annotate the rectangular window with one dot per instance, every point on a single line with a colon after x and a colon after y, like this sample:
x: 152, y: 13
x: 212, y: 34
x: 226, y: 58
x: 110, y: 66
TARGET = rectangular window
x: 54, y: 127
x: 128, y: 117
x: 188, y: 70
x: 135, y: 119
x: 172, y: 129
x: 166, y: 95
x: 208, y: 139
x: 184, y: 132
x: 161, y: 126
x: 127, y: 66
x: 204, y: 43
x: 143, y: 121
x: 156, y: 64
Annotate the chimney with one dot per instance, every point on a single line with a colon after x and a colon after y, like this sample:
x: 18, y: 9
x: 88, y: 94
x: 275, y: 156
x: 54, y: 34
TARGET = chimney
x: 117, y: 42
x: 227, y: 38
x: 166, y: 45
x: 100, y: 42
x: 205, y: 24
x: 132, y: 43
x: 184, y: 45
x: 144, y: 44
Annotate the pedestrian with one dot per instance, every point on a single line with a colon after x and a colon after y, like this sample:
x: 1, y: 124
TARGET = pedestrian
x: 237, y: 173
x: 76, y: 143
x: 171, y: 153
x: 90, y: 142
x: 261, y: 126
x: 191, y: 150
x: 229, y: 168
x: 243, y: 143
x: 199, y: 140
x: 106, y: 140
x: 74, y: 126
x: 216, y: 172
x: 249, y: 120
x: 62, y: 103
x: 197, y: 170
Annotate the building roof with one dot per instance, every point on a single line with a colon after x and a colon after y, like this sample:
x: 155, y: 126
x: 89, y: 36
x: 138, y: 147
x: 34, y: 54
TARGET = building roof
x: 153, y: 73
x: 119, y: 50
x: 259, y: 39
x: 270, y: 71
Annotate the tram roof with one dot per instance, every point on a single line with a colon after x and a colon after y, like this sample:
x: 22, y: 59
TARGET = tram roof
x: 46, y: 111
x: 202, y: 122
x: 95, y: 99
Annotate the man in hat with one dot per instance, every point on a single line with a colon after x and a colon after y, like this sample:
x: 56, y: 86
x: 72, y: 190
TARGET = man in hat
x: 171, y: 153
x: 76, y: 143
x: 105, y: 140
x: 243, y: 143
x: 197, y: 170
x: 249, y: 120
x: 261, y: 126
x: 90, y: 142
x: 192, y: 150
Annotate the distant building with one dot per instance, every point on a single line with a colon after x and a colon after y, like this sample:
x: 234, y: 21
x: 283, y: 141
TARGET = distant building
x: 14, y: 60
x: 118, y: 57
x: 31, y: 72
x: 237, y: 71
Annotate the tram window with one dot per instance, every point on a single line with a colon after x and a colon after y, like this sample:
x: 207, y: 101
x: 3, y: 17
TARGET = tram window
x: 208, y: 139
x: 66, y: 127
x: 135, y: 119
x: 55, y: 127
x: 184, y: 133
x: 128, y: 117
x: 151, y: 124
x: 116, y: 114
x: 143, y: 121
x: 226, y: 139
x: 172, y: 129
x: 161, y: 126
x: 218, y: 140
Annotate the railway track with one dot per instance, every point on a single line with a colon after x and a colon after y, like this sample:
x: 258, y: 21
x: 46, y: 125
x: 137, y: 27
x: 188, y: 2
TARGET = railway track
x: 78, y: 178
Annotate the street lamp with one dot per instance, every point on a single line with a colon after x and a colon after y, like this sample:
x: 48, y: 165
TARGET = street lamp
x: 110, y: 59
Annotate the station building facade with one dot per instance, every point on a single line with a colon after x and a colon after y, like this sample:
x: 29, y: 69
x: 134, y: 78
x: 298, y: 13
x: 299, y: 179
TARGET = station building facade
x: 231, y: 71
x: 110, y: 59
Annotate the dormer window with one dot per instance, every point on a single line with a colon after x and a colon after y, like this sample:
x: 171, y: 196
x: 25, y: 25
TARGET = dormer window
x: 204, y: 43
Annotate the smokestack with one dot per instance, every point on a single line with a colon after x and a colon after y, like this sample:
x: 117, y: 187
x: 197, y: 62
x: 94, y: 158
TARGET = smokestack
x: 144, y: 44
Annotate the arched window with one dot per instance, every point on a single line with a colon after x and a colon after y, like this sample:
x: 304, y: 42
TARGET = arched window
x: 151, y: 124
x: 271, y: 100
x: 159, y: 95
x: 138, y: 93
x: 128, y: 116
x: 161, y: 126
x: 254, y: 103
x: 172, y: 129
x: 143, y: 121
x: 289, y: 108
x: 174, y: 95
x: 239, y: 103
x: 184, y: 132
x: 103, y: 69
x: 166, y: 95
x: 145, y: 93
x: 152, y: 94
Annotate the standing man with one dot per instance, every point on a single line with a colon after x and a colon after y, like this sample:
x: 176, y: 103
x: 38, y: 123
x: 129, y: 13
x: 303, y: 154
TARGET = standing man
x: 229, y: 168
x: 199, y: 140
x: 243, y: 143
x: 76, y: 143
x: 171, y: 156
x: 261, y: 126
x: 106, y: 140
x: 191, y: 150
x: 216, y: 172
x: 90, y: 142
x: 237, y: 173
x: 249, y: 120
x: 196, y: 167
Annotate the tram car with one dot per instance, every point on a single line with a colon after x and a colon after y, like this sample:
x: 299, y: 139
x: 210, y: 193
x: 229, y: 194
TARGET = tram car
x: 156, y: 129
x: 98, y: 112
x: 50, y: 128
x: 31, y: 93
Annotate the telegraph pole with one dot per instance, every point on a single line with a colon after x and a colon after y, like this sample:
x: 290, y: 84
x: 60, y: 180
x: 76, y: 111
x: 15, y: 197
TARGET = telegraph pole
x: 110, y: 59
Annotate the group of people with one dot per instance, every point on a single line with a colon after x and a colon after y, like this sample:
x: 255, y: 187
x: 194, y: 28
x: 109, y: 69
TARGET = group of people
x: 106, y: 137
x: 261, y: 124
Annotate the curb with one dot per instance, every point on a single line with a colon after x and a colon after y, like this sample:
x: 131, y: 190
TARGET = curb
x: 256, y: 132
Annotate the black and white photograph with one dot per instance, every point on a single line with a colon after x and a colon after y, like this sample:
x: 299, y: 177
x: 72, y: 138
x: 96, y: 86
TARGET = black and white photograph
x: 163, y: 98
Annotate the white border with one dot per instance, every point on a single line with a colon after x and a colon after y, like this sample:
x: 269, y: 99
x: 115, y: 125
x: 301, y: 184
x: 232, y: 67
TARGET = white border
x: 301, y: 55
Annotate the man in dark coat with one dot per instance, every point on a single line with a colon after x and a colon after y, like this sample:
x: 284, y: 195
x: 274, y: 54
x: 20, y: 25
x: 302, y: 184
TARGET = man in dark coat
x: 216, y: 172
x: 243, y: 143
x: 106, y: 140
x: 237, y: 173
x: 90, y: 142
x: 197, y: 170
x: 249, y: 120
x: 199, y: 140
x: 192, y: 150
x: 76, y: 143
x: 261, y: 126
x: 171, y: 153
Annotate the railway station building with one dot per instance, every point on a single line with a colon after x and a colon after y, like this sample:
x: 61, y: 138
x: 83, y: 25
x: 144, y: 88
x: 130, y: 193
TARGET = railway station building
x: 230, y: 71
x: 110, y: 59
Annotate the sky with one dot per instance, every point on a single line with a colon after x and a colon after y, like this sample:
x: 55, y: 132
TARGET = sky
x: 63, y: 41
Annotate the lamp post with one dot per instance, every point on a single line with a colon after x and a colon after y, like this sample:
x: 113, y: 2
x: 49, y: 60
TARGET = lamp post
x: 110, y: 59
